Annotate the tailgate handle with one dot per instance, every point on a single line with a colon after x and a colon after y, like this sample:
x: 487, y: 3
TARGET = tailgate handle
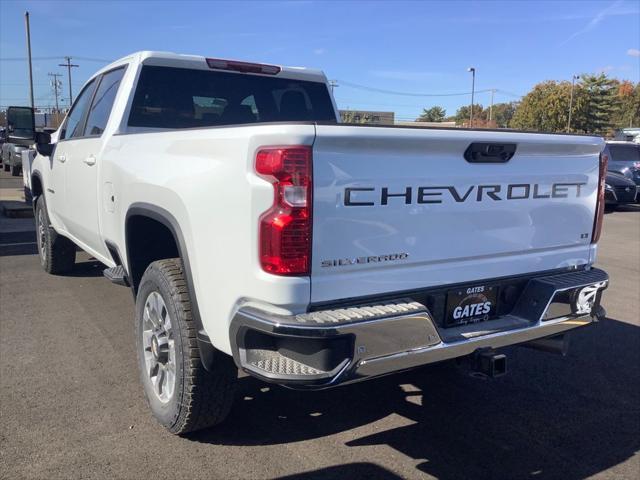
x: 481, y: 152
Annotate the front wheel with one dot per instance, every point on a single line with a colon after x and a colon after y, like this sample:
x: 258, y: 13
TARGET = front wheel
x: 182, y: 394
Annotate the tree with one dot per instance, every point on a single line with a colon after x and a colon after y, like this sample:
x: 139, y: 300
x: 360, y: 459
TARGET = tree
x: 463, y: 114
x: 597, y: 106
x: 503, y: 113
x: 628, y: 111
x: 546, y: 108
x: 433, y: 114
x: 601, y: 103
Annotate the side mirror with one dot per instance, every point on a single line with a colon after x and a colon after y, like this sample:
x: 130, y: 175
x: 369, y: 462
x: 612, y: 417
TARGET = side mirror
x: 21, y: 125
x: 43, y: 143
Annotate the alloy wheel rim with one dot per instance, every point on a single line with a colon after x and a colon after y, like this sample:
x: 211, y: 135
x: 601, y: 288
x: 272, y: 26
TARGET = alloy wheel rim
x: 42, y: 239
x: 159, y: 347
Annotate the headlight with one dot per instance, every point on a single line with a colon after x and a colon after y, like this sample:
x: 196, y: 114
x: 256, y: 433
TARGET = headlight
x: 608, y: 187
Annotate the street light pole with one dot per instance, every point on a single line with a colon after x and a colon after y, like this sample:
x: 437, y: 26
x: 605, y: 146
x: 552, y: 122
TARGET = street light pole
x: 68, y: 65
x: 573, y: 83
x: 26, y: 21
x: 473, y: 91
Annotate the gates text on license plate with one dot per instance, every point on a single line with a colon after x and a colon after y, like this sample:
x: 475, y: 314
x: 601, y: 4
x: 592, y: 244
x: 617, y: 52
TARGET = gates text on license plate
x: 470, y: 304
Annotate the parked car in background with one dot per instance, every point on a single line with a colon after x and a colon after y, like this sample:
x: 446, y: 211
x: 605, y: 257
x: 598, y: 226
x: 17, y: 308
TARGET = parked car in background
x: 619, y: 190
x: 3, y: 140
x: 20, y: 128
x: 13, y: 162
x: 624, y: 158
x: 628, y: 135
x: 4, y: 153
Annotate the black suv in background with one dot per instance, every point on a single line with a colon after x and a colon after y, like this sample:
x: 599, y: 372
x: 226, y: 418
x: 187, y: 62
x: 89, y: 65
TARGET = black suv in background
x: 624, y: 158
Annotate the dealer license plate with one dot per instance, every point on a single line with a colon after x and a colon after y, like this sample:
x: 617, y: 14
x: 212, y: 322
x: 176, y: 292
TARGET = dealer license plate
x: 471, y: 304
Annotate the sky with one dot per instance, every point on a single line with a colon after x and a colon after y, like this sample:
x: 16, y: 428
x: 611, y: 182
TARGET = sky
x: 419, y: 48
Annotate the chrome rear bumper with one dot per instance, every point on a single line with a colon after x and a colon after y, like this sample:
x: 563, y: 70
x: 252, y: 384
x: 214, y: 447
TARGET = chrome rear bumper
x: 325, y: 348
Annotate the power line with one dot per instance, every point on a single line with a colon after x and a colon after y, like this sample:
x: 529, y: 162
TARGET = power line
x: 90, y: 59
x: 24, y: 59
x: 407, y: 94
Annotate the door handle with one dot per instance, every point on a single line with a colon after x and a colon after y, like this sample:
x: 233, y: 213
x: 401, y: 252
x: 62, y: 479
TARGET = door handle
x: 481, y: 152
x: 62, y: 158
x: 90, y: 160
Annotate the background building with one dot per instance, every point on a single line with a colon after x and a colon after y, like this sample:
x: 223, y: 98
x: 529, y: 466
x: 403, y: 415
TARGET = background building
x: 366, y: 116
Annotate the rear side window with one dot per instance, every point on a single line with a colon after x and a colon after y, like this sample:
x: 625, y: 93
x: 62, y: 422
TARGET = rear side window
x: 168, y: 97
x: 103, y: 102
x: 625, y: 153
x: 74, y: 124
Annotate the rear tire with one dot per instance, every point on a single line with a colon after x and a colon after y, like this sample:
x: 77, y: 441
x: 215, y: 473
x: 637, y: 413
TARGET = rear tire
x: 57, y: 253
x: 182, y: 395
x: 6, y: 166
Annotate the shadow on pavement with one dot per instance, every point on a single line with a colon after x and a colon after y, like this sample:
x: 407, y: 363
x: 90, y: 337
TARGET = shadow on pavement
x: 87, y: 268
x: 551, y: 417
x: 623, y: 208
x: 17, y: 243
x: 348, y: 471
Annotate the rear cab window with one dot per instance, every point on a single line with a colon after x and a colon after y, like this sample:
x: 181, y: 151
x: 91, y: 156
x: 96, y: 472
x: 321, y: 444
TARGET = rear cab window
x: 169, y: 97
x: 74, y: 124
x: 103, y: 102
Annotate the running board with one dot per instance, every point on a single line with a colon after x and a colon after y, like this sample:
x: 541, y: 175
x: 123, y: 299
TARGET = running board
x: 117, y: 275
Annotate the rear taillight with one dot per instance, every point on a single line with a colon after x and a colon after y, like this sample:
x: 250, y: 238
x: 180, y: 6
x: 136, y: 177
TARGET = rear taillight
x: 285, y: 229
x: 597, y: 224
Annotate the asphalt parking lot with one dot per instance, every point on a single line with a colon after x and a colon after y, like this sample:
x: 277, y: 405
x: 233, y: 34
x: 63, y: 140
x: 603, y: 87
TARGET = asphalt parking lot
x: 71, y: 405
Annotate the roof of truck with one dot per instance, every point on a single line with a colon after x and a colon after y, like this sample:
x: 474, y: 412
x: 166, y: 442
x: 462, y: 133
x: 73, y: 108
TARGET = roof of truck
x: 170, y: 59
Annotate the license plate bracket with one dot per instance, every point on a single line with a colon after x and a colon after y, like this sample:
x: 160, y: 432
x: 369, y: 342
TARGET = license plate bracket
x: 471, y: 304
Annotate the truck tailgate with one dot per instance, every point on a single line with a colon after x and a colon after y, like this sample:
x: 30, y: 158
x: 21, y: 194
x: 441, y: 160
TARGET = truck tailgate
x: 397, y: 209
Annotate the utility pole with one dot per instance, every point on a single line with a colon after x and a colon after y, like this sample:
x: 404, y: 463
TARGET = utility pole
x: 69, y: 65
x: 26, y: 21
x: 493, y: 90
x: 473, y: 91
x: 333, y: 84
x: 56, y: 84
x: 573, y: 83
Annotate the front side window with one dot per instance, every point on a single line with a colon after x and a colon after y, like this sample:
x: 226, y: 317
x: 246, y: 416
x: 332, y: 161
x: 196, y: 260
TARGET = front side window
x: 168, y: 97
x: 74, y: 125
x: 103, y: 102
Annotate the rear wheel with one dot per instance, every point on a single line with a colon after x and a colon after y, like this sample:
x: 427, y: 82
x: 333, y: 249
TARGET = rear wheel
x: 182, y: 395
x: 6, y: 166
x: 57, y: 253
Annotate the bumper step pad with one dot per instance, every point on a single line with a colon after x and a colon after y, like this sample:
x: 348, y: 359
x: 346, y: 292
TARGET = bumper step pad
x: 368, y: 312
x: 274, y: 363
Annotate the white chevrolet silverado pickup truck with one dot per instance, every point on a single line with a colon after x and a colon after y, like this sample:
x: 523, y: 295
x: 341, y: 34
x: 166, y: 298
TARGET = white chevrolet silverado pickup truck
x: 257, y: 232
